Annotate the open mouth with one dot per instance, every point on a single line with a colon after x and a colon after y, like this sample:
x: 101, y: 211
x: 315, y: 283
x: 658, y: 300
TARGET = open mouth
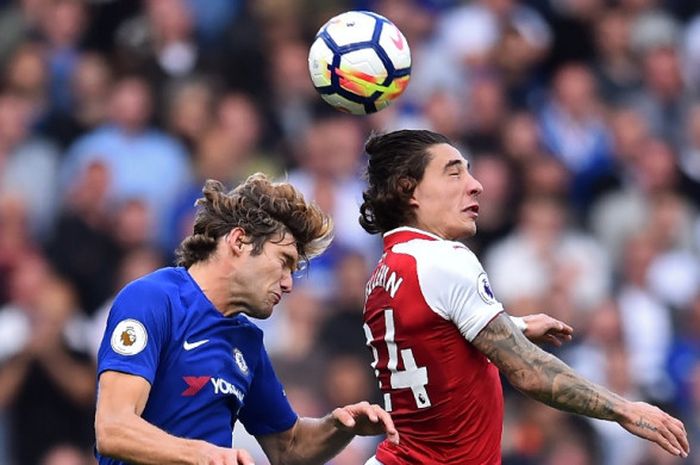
x: 472, y: 209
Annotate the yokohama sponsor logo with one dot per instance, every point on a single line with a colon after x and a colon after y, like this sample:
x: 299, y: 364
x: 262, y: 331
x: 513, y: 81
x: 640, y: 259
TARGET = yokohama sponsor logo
x: 194, y: 384
x: 221, y: 386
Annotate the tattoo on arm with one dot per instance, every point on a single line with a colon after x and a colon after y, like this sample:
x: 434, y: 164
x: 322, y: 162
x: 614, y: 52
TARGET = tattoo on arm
x: 541, y: 375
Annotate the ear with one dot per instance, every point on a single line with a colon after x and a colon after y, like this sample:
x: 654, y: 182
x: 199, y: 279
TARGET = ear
x: 235, y: 240
x: 406, y: 185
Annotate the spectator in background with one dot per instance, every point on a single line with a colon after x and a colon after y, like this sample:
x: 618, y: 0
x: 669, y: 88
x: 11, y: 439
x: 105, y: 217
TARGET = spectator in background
x: 485, y: 118
x: 546, y: 176
x: 646, y: 322
x: 520, y: 138
x: 90, y: 87
x: 82, y: 247
x: 160, y: 43
x: 15, y: 241
x: 46, y: 386
x: 18, y: 20
x: 674, y: 274
x: 293, y: 335
x: 132, y: 152
x: 615, y: 67
x: 293, y: 95
x: 648, y: 169
x: 28, y: 165
x: 62, y: 25
x: 567, y: 269
x: 341, y: 331
x: 471, y: 32
x: 663, y: 101
x: 684, y: 364
x: 601, y: 356
x: 26, y: 75
x: 189, y: 109
x: 573, y: 130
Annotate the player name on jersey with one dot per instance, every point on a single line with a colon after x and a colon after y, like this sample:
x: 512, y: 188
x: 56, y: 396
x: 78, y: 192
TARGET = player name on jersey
x: 385, y: 278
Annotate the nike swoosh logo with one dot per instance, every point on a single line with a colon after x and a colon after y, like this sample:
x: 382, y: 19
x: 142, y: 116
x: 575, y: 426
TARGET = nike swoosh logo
x: 193, y: 345
x: 398, y: 40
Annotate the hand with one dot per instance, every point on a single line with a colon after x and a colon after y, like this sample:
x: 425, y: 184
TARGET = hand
x: 210, y: 454
x: 543, y: 328
x: 364, y: 419
x: 652, y: 423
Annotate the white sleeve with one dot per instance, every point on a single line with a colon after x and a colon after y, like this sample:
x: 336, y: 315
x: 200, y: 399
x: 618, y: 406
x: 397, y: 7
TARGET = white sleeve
x: 454, y: 284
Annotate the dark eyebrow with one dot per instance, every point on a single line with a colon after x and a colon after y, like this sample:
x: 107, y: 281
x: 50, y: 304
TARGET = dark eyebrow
x: 452, y: 163
x: 291, y: 262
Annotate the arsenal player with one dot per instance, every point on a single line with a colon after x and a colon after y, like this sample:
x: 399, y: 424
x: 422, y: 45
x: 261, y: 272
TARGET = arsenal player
x: 438, y: 334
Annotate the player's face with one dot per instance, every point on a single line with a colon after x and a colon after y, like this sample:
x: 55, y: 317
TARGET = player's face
x: 262, y: 279
x: 446, y: 198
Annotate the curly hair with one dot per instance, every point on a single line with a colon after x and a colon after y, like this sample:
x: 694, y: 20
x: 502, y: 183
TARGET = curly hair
x: 264, y: 210
x: 397, y: 162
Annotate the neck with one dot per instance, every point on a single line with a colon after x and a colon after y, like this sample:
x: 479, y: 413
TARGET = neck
x: 424, y: 227
x: 214, y: 279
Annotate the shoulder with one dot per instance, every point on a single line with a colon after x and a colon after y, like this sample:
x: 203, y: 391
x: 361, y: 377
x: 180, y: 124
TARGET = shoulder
x: 155, y: 287
x: 244, y: 322
x: 442, y: 257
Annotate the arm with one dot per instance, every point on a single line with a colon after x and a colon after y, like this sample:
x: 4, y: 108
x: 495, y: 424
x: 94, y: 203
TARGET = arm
x: 540, y: 328
x: 543, y: 377
x: 316, y: 440
x: 121, y: 433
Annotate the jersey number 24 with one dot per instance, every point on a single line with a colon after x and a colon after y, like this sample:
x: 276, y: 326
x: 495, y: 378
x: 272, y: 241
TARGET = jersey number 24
x: 411, y: 377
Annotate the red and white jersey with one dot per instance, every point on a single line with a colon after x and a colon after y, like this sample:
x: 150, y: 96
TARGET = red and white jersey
x: 426, y: 300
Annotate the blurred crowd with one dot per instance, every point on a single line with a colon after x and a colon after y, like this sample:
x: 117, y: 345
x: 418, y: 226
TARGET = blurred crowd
x: 581, y: 118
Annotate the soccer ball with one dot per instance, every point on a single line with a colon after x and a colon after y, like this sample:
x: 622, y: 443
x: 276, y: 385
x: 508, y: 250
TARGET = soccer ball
x: 359, y: 62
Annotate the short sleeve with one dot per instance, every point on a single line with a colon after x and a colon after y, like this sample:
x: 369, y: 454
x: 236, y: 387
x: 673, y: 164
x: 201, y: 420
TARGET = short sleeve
x: 266, y: 409
x: 136, y: 331
x: 455, y: 285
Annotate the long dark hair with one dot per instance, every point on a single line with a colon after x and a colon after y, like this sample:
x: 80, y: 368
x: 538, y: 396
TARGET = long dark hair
x: 397, y: 162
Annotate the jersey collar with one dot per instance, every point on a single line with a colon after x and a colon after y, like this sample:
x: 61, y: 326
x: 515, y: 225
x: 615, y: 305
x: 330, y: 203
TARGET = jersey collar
x: 406, y: 233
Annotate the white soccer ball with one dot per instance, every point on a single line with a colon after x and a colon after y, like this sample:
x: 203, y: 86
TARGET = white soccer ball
x: 359, y: 62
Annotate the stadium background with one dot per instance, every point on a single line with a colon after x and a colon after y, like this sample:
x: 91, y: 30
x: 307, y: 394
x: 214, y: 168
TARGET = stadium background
x: 581, y: 119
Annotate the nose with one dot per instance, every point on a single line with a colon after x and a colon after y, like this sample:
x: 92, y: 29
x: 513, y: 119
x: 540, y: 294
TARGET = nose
x: 474, y: 187
x: 287, y: 282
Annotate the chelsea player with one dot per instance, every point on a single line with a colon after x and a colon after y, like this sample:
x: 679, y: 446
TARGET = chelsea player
x: 180, y: 362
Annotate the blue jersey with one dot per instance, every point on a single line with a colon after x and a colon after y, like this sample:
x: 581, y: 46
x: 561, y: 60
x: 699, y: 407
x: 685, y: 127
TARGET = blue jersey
x: 205, y: 370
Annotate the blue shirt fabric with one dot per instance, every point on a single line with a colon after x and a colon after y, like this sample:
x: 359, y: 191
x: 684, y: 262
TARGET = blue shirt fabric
x: 156, y: 330
x: 149, y: 166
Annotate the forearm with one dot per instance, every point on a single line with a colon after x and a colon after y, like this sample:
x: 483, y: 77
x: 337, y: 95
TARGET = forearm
x: 313, y: 441
x: 557, y: 385
x: 543, y: 376
x: 130, y: 438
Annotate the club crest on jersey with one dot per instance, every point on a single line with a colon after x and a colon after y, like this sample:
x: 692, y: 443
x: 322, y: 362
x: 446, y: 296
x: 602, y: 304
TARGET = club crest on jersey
x: 129, y: 337
x: 240, y: 361
x: 484, y: 289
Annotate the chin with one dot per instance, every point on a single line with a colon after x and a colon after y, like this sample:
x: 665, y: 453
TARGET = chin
x: 260, y: 313
x: 467, y: 231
